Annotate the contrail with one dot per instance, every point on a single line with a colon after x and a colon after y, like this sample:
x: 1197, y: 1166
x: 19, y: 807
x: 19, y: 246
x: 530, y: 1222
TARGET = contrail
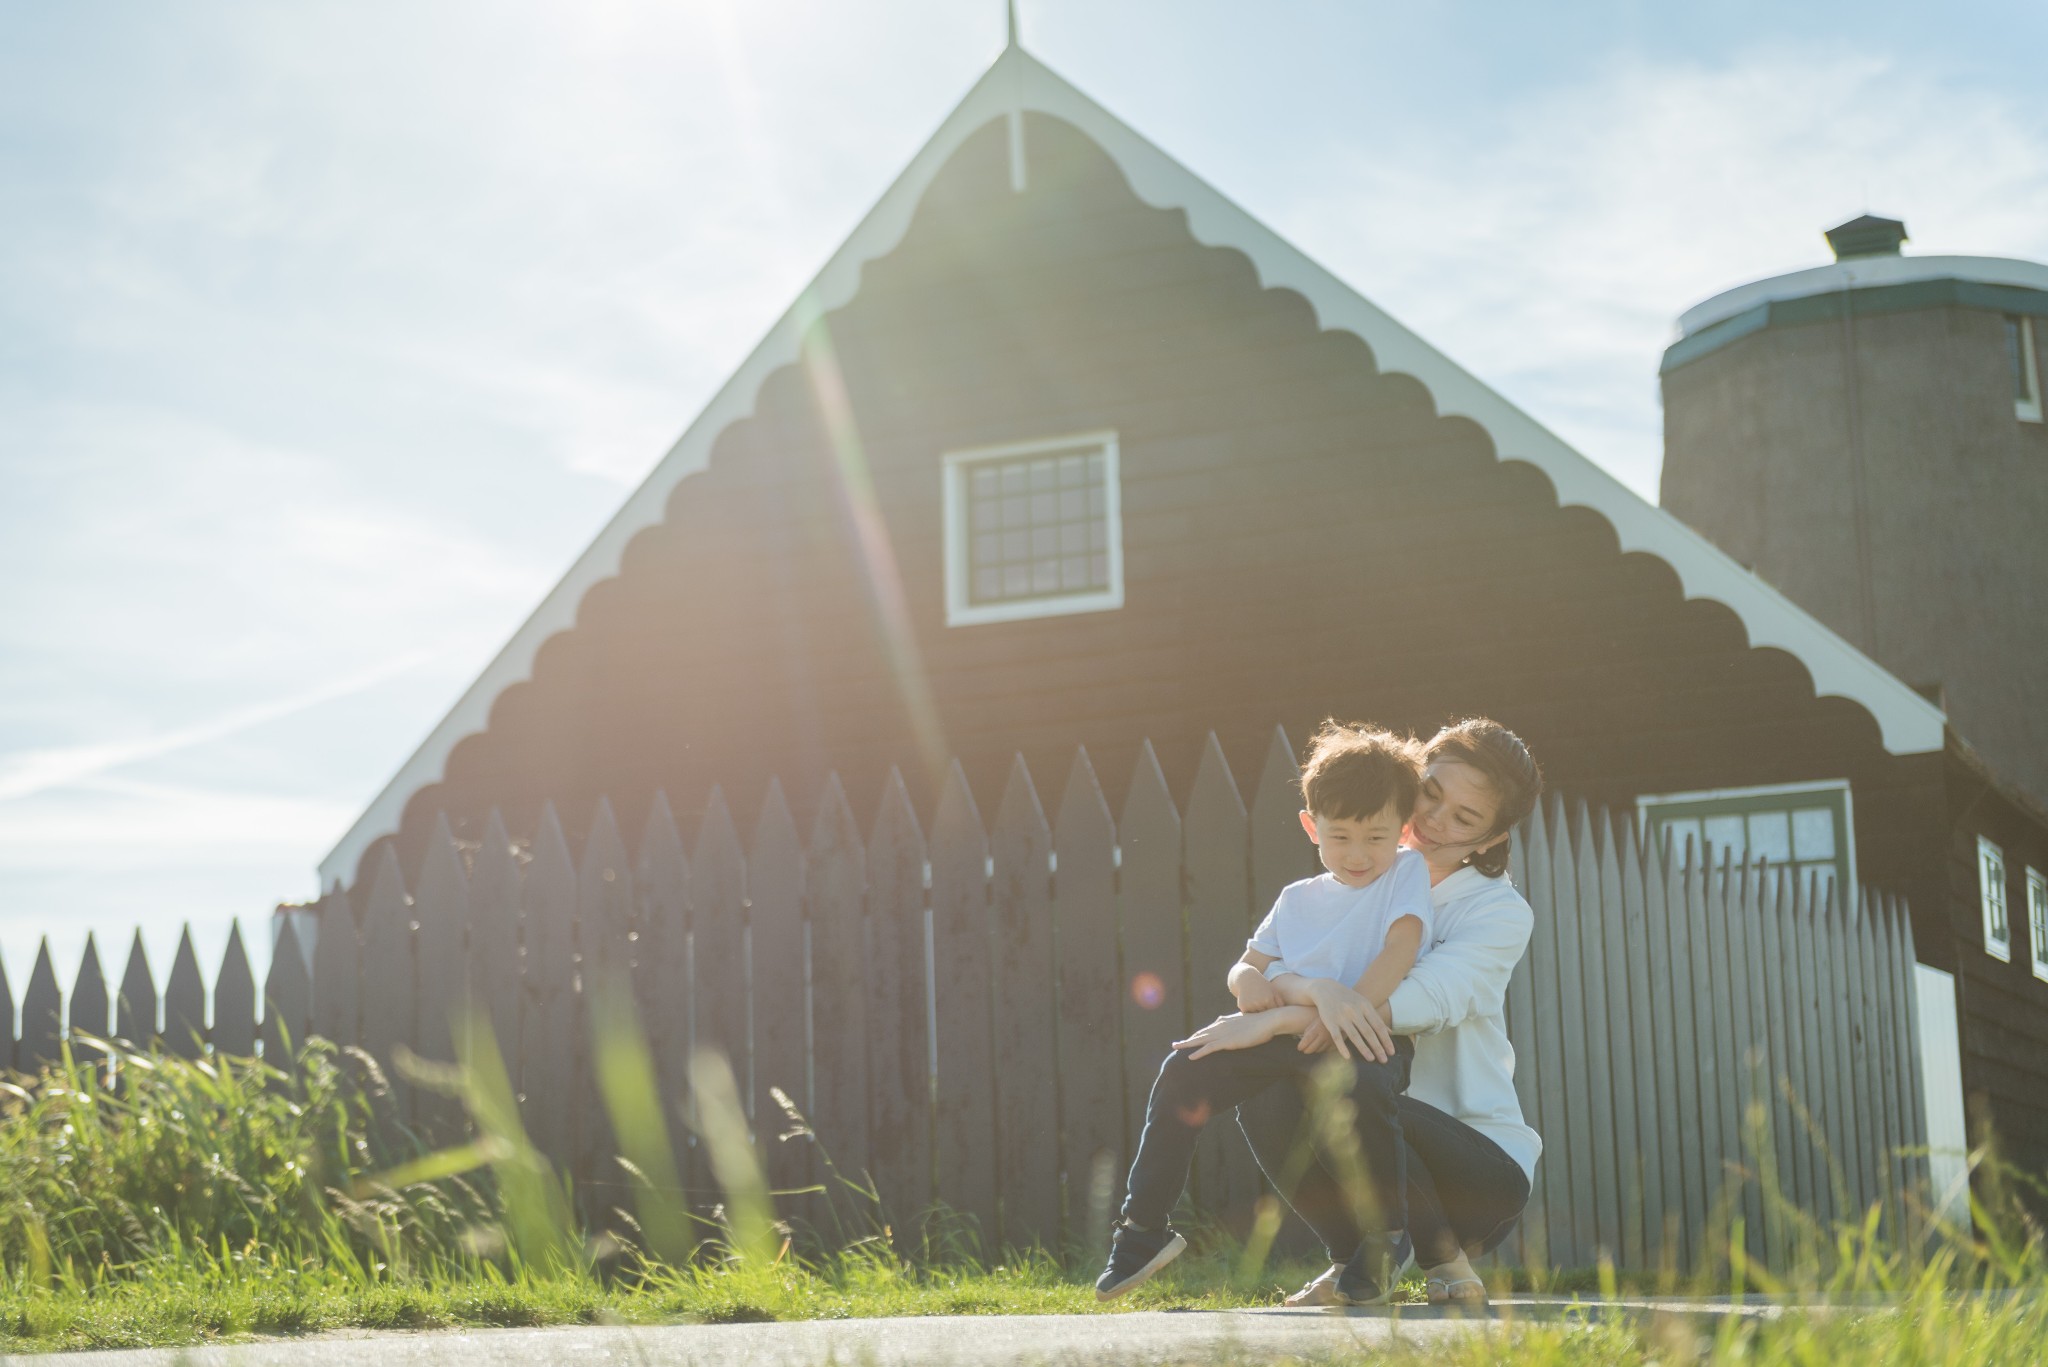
x: 33, y: 771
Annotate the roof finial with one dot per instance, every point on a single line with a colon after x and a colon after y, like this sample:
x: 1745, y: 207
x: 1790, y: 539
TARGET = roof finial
x: 1010, y: 12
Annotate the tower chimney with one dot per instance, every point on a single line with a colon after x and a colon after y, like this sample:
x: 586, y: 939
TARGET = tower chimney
x: 1867, y: 236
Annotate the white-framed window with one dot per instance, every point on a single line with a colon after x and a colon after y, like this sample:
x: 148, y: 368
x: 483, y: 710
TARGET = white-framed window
x: 2026, y: 367
x: 1033, y: 529
x: 1808, y: 828
x: 1991, y: 894
x: 2037, y: 921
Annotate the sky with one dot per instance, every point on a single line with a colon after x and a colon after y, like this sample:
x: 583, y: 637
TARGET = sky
x: 331, y: 333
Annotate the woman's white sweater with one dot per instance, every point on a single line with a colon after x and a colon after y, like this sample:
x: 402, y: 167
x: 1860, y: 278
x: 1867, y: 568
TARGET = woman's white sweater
x: 1454, y: 1002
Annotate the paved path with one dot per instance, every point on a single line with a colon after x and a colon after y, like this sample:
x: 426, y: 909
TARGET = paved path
x: 1140, y: 1337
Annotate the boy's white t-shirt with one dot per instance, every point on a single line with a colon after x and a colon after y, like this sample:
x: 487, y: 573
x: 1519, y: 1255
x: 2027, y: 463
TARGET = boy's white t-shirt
x: 1320, y: 928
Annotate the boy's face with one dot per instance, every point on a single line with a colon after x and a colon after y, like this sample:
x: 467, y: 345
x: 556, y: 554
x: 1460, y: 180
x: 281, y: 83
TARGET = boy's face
x: 1356, y: 850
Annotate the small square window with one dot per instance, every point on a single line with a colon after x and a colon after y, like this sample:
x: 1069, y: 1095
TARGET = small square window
x: 1032, y: 530
x: 2025, y: 361
x: 2037, y: 921
x: 1991, y: 892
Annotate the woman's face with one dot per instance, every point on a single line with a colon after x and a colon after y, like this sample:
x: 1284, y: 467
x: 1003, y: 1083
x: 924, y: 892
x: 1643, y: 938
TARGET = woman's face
x: 1454, y: 818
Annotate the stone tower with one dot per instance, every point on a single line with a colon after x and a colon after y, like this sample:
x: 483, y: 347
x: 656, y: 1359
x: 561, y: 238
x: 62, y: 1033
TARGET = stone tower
x: 1867, y: 436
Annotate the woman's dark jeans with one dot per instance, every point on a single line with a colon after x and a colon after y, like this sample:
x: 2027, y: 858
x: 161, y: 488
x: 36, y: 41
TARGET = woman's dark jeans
x: 1464, y: 1192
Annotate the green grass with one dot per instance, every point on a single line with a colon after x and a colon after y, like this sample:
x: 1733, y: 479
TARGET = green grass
x: 197, y: 1308
x: 216, y: 1200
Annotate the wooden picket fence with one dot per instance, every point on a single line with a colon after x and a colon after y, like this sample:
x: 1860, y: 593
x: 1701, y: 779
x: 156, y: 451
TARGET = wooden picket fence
x: 972, y: 1015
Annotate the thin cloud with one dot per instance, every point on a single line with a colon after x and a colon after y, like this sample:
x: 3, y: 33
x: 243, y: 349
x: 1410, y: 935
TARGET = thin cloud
x: 116, y: 823
x: 29, y: 772
x: 1553, y: 256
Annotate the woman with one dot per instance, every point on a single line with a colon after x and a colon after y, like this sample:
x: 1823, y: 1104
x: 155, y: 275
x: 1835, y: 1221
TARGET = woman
x: 1469, y: 1155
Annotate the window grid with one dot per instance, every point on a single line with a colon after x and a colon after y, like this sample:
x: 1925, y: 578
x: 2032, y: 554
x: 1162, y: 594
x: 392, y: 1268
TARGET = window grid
x: 1037, y: 526
x: 2026, y: 367
x: 2037, y: 921
x: 1805, y: 830
x: 1033, y: 529
x: 1991, y: 891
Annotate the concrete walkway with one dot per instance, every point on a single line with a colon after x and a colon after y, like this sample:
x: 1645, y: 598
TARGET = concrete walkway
x: 1139, y: 1337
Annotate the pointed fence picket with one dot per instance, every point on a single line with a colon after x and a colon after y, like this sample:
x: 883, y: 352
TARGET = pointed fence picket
x: 548, y: 1029
x: 718, y: 927
x: 287, y: 1000
x: 441, y: 910
x: 42, y: 1015
x: 185, y: 1002
x: 388, y: 994
x: 135, y: 1009
x: 1094, y: 1139
x: 1216, y: 878
x: 974, y: 1018
x: 234, y: 1001
x: 337, y: 970
x: 836, y: 1101
x: 1155, y: 1008
x: 963, y: 1088
x: 88, y: 1002
x: 1022, y: 1000
x: 899, y: 1042
x: 775, y: 887
x: 604, y: 929
x: 494, y: 998
x: 661, y: 971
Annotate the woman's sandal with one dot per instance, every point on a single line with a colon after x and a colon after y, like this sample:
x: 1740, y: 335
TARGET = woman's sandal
x: 1465, y: 1292
x: 1320, y: 1292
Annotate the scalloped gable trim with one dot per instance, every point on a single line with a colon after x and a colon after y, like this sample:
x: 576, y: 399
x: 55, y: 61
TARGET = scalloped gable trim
x: 1908, y: 723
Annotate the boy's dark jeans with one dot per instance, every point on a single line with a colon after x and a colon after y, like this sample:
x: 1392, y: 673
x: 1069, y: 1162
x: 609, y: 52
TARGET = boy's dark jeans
x: 1190, y: 1092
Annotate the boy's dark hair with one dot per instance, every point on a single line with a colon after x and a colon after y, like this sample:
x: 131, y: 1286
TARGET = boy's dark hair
x: 1355, y: 771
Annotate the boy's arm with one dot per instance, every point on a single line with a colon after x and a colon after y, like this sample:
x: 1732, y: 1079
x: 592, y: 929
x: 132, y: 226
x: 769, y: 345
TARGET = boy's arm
x: 1348, y: 1017
x: 1391, y: 964
x: 1247, y: 981
x: 1385, y: 973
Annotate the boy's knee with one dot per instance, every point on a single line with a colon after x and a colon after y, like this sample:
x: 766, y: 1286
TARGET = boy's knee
x: 1186, y: 1087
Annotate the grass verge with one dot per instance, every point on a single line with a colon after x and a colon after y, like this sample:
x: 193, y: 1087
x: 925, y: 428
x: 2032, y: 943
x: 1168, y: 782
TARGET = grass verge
x: 147, y: 1200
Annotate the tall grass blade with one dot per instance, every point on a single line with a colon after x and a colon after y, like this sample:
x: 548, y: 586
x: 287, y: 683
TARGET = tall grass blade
x: 722, y: 1122
x: 632, y: 1095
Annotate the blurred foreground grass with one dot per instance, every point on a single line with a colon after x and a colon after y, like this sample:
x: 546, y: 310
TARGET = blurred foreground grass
x: 196, y: 1201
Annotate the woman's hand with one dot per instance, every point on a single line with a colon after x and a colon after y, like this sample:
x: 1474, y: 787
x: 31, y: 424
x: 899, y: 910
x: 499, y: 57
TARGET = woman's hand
x: 1315, y: 1039
x: 1351, y: 1021
x: 1230, y: 1032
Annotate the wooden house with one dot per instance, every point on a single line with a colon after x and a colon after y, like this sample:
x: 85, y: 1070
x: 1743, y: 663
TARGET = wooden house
x: 1063, y: 447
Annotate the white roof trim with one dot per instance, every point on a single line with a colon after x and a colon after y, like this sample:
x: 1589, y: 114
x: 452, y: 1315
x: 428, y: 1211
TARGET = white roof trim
x: 1862, y: 273
x: 1908, y: 722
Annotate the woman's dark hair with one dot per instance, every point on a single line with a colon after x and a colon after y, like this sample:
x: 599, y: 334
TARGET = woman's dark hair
x: 1506, y: 764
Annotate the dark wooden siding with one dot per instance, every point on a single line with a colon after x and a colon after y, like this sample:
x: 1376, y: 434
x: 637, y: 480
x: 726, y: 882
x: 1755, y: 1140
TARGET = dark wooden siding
x: 2003, y: 1007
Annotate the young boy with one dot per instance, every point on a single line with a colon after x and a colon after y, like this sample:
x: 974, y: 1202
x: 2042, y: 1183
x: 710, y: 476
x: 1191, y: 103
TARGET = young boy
x: 1364, y: 920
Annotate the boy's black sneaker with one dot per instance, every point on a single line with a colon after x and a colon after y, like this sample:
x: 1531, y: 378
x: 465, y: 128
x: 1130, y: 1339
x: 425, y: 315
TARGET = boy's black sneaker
x: 1134, y: 1255
x: 1374, y: 1272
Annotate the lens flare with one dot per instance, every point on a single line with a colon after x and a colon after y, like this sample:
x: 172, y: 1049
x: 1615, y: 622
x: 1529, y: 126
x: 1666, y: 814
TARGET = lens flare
x: 878, y: 557
x: 1148, y: 991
